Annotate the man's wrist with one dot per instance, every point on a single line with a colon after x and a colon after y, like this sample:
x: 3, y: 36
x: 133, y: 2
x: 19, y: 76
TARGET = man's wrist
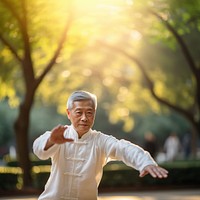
x: 50, y: 141
x: 48, y: 144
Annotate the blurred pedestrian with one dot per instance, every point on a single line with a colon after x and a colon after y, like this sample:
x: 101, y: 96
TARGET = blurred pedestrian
x: 172, y: 147
x: 186, y: 144
x: 150, y: 144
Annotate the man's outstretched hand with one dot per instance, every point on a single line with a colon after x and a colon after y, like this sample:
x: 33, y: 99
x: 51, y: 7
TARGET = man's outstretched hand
x: 57, y: 137
x: 154, y: 171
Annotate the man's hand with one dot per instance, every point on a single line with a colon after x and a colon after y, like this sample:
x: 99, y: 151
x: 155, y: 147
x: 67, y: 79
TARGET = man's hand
x: 154, y: 171
x: 57, y: 137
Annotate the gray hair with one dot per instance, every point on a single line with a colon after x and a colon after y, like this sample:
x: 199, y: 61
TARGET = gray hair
x: 80, y: 96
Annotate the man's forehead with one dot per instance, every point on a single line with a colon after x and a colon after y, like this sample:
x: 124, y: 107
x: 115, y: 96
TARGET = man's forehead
x: 83, y: 104
x: 84, y: 108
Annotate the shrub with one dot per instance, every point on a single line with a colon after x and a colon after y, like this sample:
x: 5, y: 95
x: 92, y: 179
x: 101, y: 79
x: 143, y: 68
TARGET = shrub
x: 116, y: 175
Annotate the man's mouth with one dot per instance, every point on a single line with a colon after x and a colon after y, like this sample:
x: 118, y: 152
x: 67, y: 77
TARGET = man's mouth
x: 83, y: 124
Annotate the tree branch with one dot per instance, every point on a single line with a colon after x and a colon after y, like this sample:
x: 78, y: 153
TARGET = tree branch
x: 150, y: 82
x: 26, y: 61
x: 10, y: 7
x: 57, y: 51
x: 27, y: 65
x: 182, y: 44
x: 195, y: 70
x: 13, y: 51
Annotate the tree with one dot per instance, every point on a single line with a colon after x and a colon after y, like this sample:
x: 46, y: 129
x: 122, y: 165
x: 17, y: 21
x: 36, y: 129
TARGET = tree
x: 171, y: 26
x: 20, y: 41
x: 27, y: 35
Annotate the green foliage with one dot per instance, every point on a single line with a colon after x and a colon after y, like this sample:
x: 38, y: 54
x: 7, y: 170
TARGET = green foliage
x: 181, y: 173
x: 7, y: 117
x: 160, y: 125
x: 8, y: 181
x: 44, y: 118
x: 116, y: 175
x: 83, y: 62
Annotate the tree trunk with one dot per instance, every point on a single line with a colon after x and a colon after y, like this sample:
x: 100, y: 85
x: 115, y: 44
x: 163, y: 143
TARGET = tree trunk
x: 21, y: 127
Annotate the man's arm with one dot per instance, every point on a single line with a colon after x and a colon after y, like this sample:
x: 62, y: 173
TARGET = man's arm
x: 133, y: 155
x: 47, y: 144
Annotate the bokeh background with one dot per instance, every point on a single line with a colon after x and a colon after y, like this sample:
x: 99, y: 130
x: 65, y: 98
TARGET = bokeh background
x: 141, y: 59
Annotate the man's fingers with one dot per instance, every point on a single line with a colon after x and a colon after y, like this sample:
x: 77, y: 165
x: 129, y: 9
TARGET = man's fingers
x: 160, y: 172
x: 57, y: 135
x: 143, y: 173
x: 154, y: 171
x: 163, y: 173
x: 68, y: 139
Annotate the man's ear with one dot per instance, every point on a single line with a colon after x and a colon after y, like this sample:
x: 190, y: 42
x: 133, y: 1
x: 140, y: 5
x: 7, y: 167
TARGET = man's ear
x: 68, y: 113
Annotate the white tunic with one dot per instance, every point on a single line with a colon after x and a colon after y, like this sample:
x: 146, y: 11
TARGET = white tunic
x: 77, y: 166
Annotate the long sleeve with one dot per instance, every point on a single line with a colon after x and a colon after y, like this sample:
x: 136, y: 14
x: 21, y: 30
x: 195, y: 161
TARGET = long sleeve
x: 39, y: 144
x: 77, y: 167
x: 131, y: 154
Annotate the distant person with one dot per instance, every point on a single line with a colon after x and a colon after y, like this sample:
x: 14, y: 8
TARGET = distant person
x: 150, y: 144
x: 172, y: 146
x: 79, y: 153
x: 186, y: 144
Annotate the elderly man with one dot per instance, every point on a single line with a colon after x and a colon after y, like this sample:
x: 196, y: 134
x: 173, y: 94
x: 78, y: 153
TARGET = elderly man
x: 79, y: 153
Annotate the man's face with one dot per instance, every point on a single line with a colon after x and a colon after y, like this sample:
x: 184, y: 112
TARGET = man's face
x: 82, y: 116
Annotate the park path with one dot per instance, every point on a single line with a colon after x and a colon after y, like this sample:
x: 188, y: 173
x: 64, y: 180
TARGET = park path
x: 154, y: 195
x: 151, y: 195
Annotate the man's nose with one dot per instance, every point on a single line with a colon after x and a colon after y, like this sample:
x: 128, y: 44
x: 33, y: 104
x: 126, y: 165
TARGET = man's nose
x: 84, y: 117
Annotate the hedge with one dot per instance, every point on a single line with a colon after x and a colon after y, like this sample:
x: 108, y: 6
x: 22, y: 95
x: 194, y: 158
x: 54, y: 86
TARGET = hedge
x: 181, y: 173
x: 116, y: 175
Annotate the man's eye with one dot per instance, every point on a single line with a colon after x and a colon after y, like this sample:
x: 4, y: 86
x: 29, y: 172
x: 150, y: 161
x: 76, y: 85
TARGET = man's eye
x: 89, y: 113
x: 78, y: 113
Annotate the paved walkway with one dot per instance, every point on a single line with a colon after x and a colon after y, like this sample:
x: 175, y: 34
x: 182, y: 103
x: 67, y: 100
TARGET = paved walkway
x: 154, y: 195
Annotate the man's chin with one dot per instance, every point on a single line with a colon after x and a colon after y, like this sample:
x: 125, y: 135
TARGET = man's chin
x: 84, y: 128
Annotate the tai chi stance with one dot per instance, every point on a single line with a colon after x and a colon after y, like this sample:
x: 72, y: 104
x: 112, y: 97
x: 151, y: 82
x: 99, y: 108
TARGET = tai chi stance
x: 79, y: 153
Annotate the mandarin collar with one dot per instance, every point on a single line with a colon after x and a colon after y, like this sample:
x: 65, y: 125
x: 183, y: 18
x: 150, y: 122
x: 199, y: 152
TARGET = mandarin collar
x: 84, y: 136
